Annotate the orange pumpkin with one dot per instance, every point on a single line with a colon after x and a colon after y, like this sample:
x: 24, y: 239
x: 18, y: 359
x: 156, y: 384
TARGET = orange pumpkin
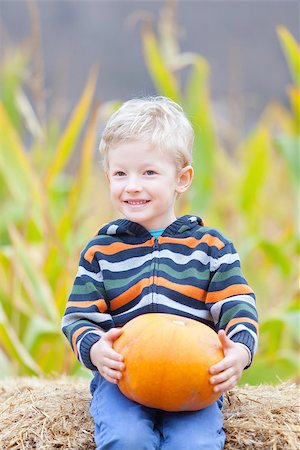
x: 167, y: 358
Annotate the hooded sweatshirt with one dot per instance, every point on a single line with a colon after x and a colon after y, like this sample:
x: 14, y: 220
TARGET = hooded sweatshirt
x: 190, y: 270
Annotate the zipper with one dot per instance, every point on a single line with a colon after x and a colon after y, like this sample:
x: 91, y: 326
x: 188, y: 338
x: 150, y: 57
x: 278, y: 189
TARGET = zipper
x: 154, y: 285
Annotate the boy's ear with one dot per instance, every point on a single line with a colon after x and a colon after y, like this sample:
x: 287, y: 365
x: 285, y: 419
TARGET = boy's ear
x: 107, y: 177
x: 185, y: 178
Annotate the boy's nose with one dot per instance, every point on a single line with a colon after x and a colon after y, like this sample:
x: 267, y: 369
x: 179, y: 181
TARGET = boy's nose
x: 133, y: 185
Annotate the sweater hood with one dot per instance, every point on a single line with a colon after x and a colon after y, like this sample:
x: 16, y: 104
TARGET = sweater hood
x: 123, y: 226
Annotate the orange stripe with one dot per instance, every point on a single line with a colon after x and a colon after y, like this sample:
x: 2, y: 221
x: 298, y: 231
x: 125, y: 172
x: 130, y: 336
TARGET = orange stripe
x: 130, y: 294
x: 235, y: 289
x: 101, y: 305
x: 241, y: 319
x: 112, y: 249
x: 74, y: 337
x: 135, y: 290
x: 212, y: 241
x: 191, y: 291
x: 191, y: 242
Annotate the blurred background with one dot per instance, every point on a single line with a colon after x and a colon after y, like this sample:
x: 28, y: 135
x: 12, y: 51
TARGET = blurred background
x: 238, y: 38
x: 65, y: 67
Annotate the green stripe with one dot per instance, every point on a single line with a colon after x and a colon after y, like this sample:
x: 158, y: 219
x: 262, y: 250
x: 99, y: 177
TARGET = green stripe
x: 83, y: 323
x: 183, y: 274
x: 184, y: 228
x: 68, y: 330
x: 86, y: 289
x: 187, y: 273
x: 120, y: 282
x: 222, y: 276
x: 235, y: 311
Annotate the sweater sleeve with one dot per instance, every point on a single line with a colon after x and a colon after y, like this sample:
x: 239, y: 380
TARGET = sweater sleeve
x: 230, y: 299
x: 86, y: 317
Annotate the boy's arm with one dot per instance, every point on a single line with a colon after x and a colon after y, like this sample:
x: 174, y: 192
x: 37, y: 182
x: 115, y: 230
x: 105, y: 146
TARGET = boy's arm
x: 232, y: 305
x: 231, y: 301
x: 86, y: 317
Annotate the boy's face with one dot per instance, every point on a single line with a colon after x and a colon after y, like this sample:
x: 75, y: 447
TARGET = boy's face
x: 144, y: 183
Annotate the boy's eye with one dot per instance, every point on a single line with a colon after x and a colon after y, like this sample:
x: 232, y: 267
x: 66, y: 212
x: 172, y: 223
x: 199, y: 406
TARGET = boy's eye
x: 150, y: 172
x: 120, y: 173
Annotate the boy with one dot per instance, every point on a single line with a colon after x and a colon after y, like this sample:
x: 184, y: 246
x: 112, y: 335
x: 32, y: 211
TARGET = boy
x: 151, y: 261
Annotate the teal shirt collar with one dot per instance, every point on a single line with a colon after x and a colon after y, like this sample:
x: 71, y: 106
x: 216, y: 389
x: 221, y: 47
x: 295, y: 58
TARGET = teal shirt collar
x: 157, y: 233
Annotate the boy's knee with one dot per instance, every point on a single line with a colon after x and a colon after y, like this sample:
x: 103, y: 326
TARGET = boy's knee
x: 196, y: 441
x: 137, y: 438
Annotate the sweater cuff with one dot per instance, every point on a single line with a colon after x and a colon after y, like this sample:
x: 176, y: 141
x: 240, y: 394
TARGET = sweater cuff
x: 245, y: 338
x: 85, y: 348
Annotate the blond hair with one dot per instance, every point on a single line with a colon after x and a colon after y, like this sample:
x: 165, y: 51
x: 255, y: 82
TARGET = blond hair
x: 155, y: 120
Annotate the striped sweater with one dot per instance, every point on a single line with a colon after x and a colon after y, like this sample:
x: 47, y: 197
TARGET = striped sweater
x: 190, y: 270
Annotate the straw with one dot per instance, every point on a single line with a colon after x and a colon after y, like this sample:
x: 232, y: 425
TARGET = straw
x: 48, y: 414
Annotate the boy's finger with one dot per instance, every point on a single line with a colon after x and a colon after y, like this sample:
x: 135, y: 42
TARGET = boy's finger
x: 223, y: 387
x: 111, y: 380
x: 112, y: 374
x: 115, y: 356
x: 224, y: 339
x: 222, y: 376
x: 113, y: 334
x: 220, y: 366
x: 116, y: 365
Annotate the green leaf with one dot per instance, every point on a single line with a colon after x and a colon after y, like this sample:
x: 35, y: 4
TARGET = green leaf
x: 271, y: 370
x: 271, y: 332
x: 294, y: 96
x: 289, y: 147
x: 291, y: 51
x: 6, y: 367
x: 78, y: 190
x: 13, y: 347
x: 256, y: 163
x: 277, y: 256
x: 162, y: 77
x: 17, y: 171
x: 292, y: 320
x: 11, y: 80
x: 38, y: 327
x: 32, y: 278
x: 67, y: 142
x: 197, y: 107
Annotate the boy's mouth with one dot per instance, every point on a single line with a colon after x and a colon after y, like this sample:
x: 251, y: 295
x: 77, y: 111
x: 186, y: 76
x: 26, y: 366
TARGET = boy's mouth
x: 136, y: 202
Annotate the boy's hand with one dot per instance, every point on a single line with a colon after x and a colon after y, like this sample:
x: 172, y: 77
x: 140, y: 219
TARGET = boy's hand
x: 228, y: 372
x: 106, y: 359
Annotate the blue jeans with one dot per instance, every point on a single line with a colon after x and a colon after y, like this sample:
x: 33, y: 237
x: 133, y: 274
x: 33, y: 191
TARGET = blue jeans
x: 121, y: 424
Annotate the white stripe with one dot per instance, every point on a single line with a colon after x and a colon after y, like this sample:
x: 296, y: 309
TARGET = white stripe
x: 112, y: 229
x: 163, y: 300
x: 133, y: 263
x: 94, y: 317
x: 229, y: 258
x: 127, y: 264
x: 216, y: 308
x: 201, y: 314
x: 181, y: 259
x: 200, y: 256
x: 177, y: 257
x: 146, y: 300
x: 242, y: 327
x: 95, y: 276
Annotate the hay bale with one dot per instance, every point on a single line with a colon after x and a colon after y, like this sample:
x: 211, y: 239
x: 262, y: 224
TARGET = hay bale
x: 262, y: 418
x: 54, y: 414
x: 45, y: 414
